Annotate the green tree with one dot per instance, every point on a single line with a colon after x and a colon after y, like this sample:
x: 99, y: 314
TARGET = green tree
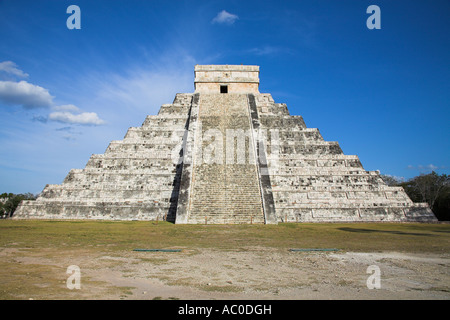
x: 430, y: 186
x: 392, y: 180
x: 9, y: 202
x: 433, y: 189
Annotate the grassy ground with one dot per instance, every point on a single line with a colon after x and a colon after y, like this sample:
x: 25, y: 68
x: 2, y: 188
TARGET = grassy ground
x: 33, y: 252
x: 402, y: 237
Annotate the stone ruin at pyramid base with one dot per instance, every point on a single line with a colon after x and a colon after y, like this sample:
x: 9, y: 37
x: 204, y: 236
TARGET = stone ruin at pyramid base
x: 225, y: 154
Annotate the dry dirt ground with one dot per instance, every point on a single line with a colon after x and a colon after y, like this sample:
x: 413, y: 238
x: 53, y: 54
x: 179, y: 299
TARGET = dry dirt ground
x: 250, y: 273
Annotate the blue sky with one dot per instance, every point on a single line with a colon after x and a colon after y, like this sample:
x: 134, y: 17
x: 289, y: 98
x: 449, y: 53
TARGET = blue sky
x: 384, y: 94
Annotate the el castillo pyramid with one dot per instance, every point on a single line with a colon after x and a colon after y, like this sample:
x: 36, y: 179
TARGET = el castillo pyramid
x: 225, y: 154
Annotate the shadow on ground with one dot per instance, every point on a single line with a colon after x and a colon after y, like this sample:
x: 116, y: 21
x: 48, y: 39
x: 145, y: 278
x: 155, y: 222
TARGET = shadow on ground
x: 360, y: 230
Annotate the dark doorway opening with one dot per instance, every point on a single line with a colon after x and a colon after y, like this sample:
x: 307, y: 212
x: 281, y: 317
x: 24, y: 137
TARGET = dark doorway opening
x: 223, y: 89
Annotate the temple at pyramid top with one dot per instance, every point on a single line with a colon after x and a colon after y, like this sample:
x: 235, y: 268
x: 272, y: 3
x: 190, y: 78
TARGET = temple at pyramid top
x: 226, y: 79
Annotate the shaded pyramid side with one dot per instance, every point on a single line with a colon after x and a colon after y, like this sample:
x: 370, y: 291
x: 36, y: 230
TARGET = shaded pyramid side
x: 312, y: 180
x: 137, y: 178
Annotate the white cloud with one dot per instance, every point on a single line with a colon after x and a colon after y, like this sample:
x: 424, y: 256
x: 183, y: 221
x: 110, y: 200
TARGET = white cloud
x: 396, y: 178
x: 66, y: 107
x: 31, y: 96
x: 263, y: 51
x: 22, y: 93
x: 84, y: 118
x: 268, y: 50
x: 141, y: 89
x: 425, y: 168
x: 224, y: 17
x: 10, y: 67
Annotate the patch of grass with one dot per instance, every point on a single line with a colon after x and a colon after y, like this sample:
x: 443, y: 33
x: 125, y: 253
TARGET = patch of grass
x: 155, y: 261
x: 36, y: 281
x: 28, y: 281
x: 127, y: 235
x: 127, y: 291
x: 442, y: 289
x: 228, y: 288
x: 344, y: 283
x: 183, y: 281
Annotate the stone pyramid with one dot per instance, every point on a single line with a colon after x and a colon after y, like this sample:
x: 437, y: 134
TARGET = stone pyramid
x: 224, y: 154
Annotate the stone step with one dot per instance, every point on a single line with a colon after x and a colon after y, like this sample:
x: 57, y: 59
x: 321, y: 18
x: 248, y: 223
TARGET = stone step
x: 132, y: 156
x: 277, y: 163
x: 317, y: 149
x: 110, y: 193
x: 163, y: 135
x: 316, y: 171
x: 306, y: 157
x: 389, y: 191
x: 410, y: 212
x: 112, y: 175
x: 221, y: 189
x: 173, y: 109
x: 225, y: 221
x: 229, y: 215
x: 169, y: 149
x: 345, y: 205
x: 133, y: 168
x: 91, y: 210
x: 275, y: 121
x: 325, y: 179
x: 165, y: 121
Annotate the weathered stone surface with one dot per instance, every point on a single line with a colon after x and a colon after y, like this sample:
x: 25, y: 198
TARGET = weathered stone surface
x: 235, y: 157
x: 225, y: 188
x: 236, y: 79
